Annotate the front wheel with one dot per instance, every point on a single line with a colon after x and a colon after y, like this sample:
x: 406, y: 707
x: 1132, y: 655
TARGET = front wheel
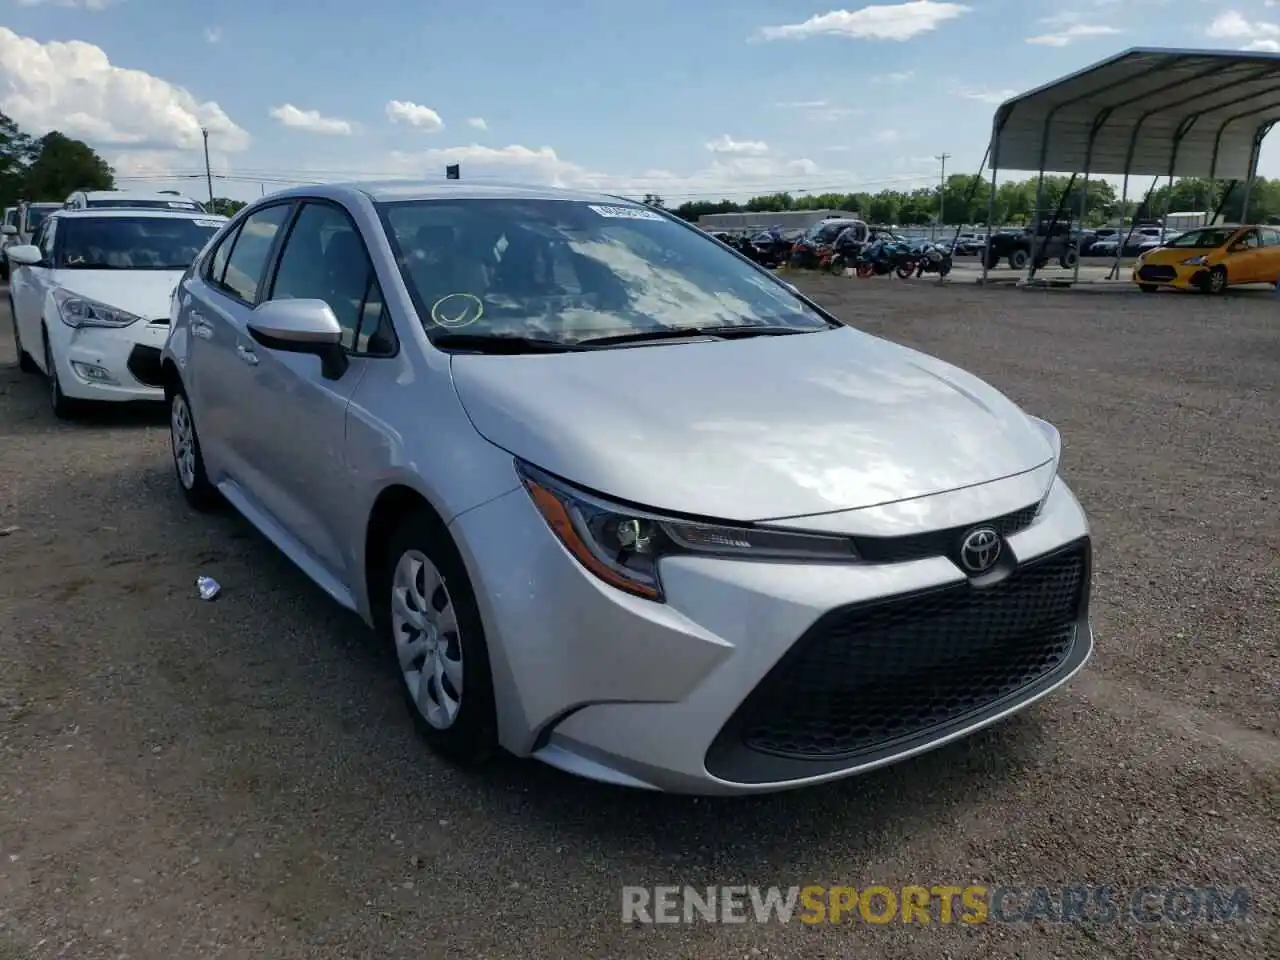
x: 1216, y: 282
x: 865, y: 270
x: 1148, y: 287
x: 64, y: 407
x: 25, y: 363
x: 944, y: 267
x: 188, y: 460
x: 430, y: 610
x: 1069, y: 259
x: 906, y: 269
x: 1018, y: 259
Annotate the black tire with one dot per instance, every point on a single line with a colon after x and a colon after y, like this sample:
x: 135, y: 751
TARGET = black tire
x: 993, y: 261
x: 1018, y: 259
x: 1216, y: 282
x: 472, y: 737
x: 1069, y: 259
x: 64, y: 407
x: 1148, y: 287
x: 201, y: 495
x: 25, y: 363
x: 945, y: 267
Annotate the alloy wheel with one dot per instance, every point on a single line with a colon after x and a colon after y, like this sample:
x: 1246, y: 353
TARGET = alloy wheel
x: 182, y: 437
x: 424, y: 625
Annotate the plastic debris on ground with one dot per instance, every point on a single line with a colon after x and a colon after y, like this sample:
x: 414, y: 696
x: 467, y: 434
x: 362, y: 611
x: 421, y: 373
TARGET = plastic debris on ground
x: 208, y: 587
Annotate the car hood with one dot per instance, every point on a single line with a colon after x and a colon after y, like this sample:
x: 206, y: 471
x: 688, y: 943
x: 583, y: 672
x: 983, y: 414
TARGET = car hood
x: 758, y: 429
x: 144, y: 293
x: 1171, y: 256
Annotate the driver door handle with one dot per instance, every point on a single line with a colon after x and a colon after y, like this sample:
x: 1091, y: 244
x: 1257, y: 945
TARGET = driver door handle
x: 247, y: 355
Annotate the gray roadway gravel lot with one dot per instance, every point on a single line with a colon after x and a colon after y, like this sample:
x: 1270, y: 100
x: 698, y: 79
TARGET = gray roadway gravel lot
x: 181, y: 779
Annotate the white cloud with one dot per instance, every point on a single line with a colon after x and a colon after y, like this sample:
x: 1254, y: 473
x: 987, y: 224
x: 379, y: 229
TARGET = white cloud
x: 887, y: 136
x: 414, y: 114
x: 1077, y: 31
x: 899, y: 76
x: 900, y: 21
x: 747, y: 148
x: 993, y: 97
x: 1256, y: 35
x: 74, y: 88
x: 820, y: 111
x: 82, y: 4
x: 477, y: 122
x: 727, y: 175
x: 310, y: 120
x: 212, y: 34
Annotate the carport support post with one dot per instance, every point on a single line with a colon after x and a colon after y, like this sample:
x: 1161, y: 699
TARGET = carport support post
x: 1253, y: 171
x: 1114, y: 270
x: 991, y: 215
x: 1035, y: 234
x: 1084, y: 202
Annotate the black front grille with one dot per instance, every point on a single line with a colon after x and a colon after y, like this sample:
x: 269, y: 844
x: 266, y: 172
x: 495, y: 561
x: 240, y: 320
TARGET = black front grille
x: 876, y: 679
x: 144, y: 364
x: 1157, y: 274
x: 938, y: 543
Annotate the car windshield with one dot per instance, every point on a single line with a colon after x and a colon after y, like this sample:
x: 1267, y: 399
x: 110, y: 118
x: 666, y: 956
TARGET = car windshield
x: 36, y: 216
x: 1208, y: 238
x: 567, y: 270
x: 143, y: 205
x: 129, y: 243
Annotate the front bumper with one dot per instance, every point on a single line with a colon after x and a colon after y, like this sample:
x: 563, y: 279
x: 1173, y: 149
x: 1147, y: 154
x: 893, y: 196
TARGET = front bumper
x: 755, y: 677
x: 1182, y: 276
x: 110, y: 364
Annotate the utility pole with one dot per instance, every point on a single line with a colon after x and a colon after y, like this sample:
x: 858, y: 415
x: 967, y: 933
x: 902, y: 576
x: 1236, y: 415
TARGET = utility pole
x: 942, y: 191
x: 208, y: 171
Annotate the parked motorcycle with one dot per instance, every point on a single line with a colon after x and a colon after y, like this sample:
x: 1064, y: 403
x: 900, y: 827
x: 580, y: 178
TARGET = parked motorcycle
x: 881, y: 257
x: 932, y: 258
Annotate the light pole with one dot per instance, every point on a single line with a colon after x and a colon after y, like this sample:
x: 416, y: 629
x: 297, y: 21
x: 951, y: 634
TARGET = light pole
x: 942, y: 192
x: 208, y: 172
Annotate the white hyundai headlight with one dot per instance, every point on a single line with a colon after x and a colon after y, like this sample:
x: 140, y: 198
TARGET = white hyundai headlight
x: 77, y: 311
x: 622, y: 545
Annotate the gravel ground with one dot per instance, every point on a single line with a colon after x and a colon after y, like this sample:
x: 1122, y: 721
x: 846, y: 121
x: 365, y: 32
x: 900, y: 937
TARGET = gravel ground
x: 181, y: 779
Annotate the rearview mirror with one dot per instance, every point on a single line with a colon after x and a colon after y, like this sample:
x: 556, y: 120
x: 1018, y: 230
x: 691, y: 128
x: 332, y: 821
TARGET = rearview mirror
x: 8, y: 230
x: 25, y: 255
x: 301, y: 326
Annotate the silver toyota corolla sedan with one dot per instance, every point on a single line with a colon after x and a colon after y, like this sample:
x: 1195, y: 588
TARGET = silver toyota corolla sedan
x: 615, y: 497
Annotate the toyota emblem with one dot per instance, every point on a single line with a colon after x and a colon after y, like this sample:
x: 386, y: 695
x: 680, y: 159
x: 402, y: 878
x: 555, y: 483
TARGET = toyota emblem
x: 980, y: 549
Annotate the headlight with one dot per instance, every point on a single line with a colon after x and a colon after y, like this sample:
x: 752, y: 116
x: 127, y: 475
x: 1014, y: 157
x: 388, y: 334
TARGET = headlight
x: 622, y: 545
x: 1195, y: 261
x: 83, y: 312
x: 1051, y: 434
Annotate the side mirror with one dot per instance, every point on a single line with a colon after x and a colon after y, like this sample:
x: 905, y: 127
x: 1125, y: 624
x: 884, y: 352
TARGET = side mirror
x: 301, y: 326
x: 25, y: 255
x: 8, y: 230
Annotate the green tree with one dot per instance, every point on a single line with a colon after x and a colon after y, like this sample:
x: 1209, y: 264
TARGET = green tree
x: 225, y: 207
x: 15, y: 155
x: 61, y: 165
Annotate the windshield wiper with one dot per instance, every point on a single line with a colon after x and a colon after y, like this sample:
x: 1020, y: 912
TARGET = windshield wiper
x: 500, y: 343
x: 729, y: 331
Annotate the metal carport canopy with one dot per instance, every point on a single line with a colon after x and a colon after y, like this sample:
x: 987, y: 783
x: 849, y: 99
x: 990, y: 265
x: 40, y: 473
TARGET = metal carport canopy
x: 1147, y: 111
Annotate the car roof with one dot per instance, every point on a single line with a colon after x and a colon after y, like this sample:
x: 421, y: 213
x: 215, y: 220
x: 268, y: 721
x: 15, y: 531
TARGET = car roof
x: 396, y: 190
x: 133, y: 195
x: 41, y: 204
x: 134, y: 212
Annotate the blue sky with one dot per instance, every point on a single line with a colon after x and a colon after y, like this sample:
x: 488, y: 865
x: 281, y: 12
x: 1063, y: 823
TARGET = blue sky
x: 688, y: 100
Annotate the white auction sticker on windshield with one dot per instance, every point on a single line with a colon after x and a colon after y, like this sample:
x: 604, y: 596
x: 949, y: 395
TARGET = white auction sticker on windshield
x: 625, y: 213
x: 179, y: 205
x: 207, y: 223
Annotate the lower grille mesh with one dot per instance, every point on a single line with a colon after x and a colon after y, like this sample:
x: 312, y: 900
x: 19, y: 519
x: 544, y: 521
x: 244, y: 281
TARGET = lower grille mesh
x: 871, y: 675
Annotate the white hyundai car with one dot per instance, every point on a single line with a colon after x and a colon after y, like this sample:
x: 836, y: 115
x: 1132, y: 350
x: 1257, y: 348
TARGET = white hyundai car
x: 90, y: 299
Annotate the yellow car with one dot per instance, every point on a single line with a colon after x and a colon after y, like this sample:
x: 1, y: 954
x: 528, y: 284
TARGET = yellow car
x: 1210, y: 259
